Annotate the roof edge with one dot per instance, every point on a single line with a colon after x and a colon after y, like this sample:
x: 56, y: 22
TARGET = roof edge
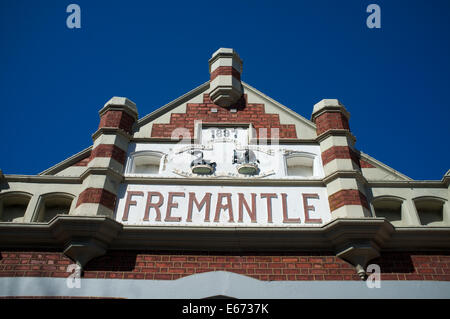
x: 384, y: 166
x: 285, y: 108
x: 67, y: 162
x: 171, y: 105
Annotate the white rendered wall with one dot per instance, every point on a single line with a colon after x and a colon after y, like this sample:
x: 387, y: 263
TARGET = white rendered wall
x: 176, y: 158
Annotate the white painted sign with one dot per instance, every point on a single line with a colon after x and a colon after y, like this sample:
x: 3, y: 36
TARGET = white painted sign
x: 224, y: 206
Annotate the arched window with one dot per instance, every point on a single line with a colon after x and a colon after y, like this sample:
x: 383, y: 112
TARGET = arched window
x: 300, y: 164
x: 430, y: 210
x: 51, y: 205
x: 13, y: 206
x: 146, y: 162
x: 389, y: 208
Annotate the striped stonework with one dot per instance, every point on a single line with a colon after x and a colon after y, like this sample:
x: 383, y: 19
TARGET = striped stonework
x: 347, y: 197
x: 225, y: 67
x: 119, y: 119
x: 107, y: 159
x: 346, y: 194
x: 225, y: 70
x: 97, y: 196
x: 331, y: 120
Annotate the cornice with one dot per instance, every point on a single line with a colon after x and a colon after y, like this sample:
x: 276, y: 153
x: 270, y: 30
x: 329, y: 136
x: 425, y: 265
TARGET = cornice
x: 345, y: 174
x: 255, y: 141
x: 336, y: 132
x: 336, y: 235
x: 43, y: 179
x: 446, y: 179
x: 408, y: 184
x: 159, y: 140
x: 420, y: 237
x: 223, y: 181
x: 332, y: 236
x: 111, y: 130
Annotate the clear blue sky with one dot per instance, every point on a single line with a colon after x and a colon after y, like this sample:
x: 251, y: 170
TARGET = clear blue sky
x: 394, y: 81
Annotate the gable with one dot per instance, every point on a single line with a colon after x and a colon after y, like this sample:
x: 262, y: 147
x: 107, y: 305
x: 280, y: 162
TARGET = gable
x: 72, y: 166
x: 254, y: 107
x: 223, y: 100
x: 374, y: 170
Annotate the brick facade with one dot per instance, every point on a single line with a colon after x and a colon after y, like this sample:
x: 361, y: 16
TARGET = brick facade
x: 111, y: 151
x: 253, y: 113
x: 339, y: 152
x: 331, y: 120
x: 225, y: 70
x: 118, y: 119
x: 364, y: 164
x: 347, y: 197
x: 267, y: 266
x: 97, y: 196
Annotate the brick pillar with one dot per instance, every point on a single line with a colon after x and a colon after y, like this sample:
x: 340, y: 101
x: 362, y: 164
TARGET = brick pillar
x: 105, y: 169
x: 225, y: 67
x: 345, y: 184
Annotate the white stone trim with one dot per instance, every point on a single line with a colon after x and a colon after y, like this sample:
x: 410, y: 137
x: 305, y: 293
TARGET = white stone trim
x: 92, y: 209
x: 131, y: 157
x: 335, y: 140
x: 112, y: 139
x: 225, y: 80
x: 74, y: 171
x: 350, y: 211
x: 339, y: 164
x: 106, y: 162
x: 100, y: 181
x: 67, y: 162
x: 380, y: 165
x: 342, y: 183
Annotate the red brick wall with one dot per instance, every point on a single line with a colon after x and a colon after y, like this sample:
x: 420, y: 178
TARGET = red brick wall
x: 225, y: 70
x: 339, y: 152
x: 347, y: 197
x: 364, y: 164
x: 109, y: 150
x: 119, y: 119
x: 169, y: 266
x: 104, y: 150
x: 246, y: 113
x: 331, y: 120
x: 97, y: 196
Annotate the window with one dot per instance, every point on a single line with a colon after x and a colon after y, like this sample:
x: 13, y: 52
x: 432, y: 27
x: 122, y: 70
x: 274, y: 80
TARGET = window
x: 300, y: 165
x: 51, y: 205
x: 430, y: 210
x: 389, y: 208
x: 146, y: 163
x: 13, y: 206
